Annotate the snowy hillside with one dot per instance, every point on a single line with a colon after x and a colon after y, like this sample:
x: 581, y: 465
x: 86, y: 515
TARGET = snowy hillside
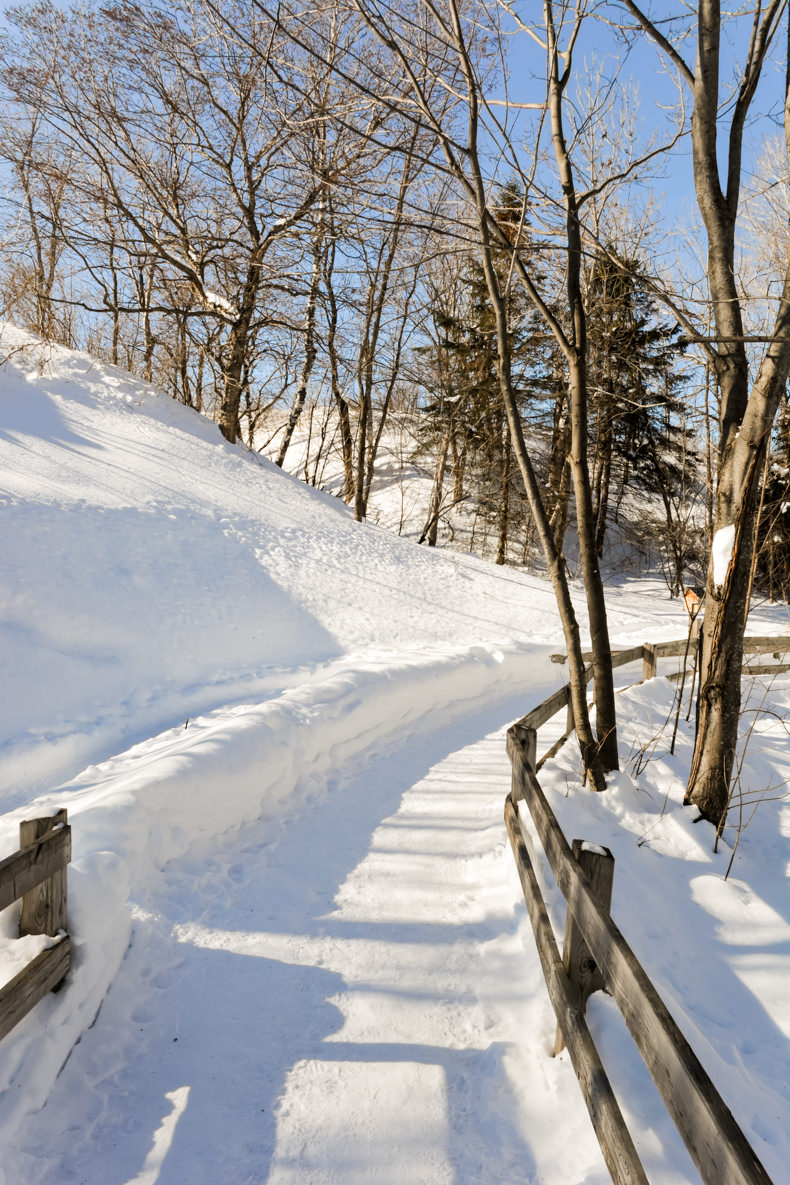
x: 300, y: 950
x: 153, y: 571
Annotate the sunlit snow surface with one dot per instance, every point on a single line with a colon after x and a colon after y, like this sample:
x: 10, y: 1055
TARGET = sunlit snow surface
x: 721, y: 553
x: 301, y: 954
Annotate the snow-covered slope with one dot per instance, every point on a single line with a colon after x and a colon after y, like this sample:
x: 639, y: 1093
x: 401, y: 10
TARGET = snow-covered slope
x: 152, y: 571
x: 190, y: 641
x: 211, y: 634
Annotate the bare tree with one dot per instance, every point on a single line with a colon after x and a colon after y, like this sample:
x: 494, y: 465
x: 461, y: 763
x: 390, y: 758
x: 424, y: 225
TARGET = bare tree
x: 748, y: 400
x: 35, y: 245
x: 190, y: 137
x: 574, y: 347
x: 340, y: 151
x: 430, y: 44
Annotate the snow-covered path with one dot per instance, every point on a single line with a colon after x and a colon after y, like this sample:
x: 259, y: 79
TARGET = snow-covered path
x: 346, y: 1002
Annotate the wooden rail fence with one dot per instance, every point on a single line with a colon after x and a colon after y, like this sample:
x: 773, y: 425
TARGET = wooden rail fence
x: 37, y: 874
x: 596, y: 955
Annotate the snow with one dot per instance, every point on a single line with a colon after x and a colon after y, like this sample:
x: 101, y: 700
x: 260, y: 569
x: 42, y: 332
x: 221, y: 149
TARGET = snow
x: 721, y: 553
x: 213, y: 300
x: 300, y: 948
x: 595, y: 848
x: 18, y: 952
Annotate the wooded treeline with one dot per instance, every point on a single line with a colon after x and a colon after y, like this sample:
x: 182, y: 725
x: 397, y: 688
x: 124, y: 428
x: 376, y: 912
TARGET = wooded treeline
x: 433, y: 221
x: 238, y: 218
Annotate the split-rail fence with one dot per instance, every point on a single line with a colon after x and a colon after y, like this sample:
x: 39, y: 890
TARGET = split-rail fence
x: 37, y: 874
x: 596, y: 955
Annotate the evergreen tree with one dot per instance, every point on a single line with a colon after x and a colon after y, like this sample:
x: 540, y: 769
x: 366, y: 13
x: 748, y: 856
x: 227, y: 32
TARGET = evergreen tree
x: 638, y: 434
x: 465, y: 422
x: 773, y: 540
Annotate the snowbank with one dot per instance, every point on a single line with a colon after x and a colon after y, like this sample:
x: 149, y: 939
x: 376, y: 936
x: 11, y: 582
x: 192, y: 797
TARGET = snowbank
x: 153, y: 572
x: 133, y: 814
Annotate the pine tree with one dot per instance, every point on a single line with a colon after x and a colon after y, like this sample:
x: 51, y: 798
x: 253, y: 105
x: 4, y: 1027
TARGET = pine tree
x: 639, y: 440
x: 773, y: 539
x: 464, y: 417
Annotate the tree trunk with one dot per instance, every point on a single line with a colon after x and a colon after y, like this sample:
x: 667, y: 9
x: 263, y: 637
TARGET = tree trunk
x: 143, y: 287
x: 363, y: 422
x: 504, y: 504
x: 346, y: 442
x: 459, y: 466
x: 606, y: 720
x: 235, y: 356
x: 373, y: 447
x: 745, y: 424
x: 341, y: 403
x: 310, y: 351
x: 231, y: 380
x: 605, y: 715
x: 431, y: 529
x: 377, y: 296
x: 559, y: 472
x: 554, y: 561
x: 602, y: 485
x: 727, y: 589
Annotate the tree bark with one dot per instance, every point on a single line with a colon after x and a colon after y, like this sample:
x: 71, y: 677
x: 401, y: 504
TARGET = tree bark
x: 235, y: 356
x: 431, y: 529
x: 310, y: 348
x: 559, y: 473
x: 377, y: 295
x: 504, y: 503
x: 341, y: 403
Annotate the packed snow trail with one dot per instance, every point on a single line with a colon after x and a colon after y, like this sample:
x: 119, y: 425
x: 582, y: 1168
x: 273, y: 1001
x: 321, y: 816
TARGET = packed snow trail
x: 347, y: 1001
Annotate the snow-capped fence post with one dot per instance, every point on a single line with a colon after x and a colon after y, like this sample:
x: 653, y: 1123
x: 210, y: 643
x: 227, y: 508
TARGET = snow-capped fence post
x: 37, y: 874
x: 580, y: 966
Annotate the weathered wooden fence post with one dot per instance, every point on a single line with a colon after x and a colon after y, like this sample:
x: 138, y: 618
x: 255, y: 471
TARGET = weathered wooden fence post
x: 44, y: 908
x: 649, y: 662
x: 714, y: 1140
x: 524, y: 752
x: 36, y: 877
x: 581, y: 968
x: 529, y: 741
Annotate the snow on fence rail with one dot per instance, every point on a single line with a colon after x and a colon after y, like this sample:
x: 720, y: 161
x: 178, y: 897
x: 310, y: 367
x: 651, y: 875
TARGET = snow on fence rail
x: 596, y: 955
x: 37, y: 874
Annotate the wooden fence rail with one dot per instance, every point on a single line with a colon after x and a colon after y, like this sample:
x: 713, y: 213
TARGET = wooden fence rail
x: 37, y: 874
x: 597, y: 955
